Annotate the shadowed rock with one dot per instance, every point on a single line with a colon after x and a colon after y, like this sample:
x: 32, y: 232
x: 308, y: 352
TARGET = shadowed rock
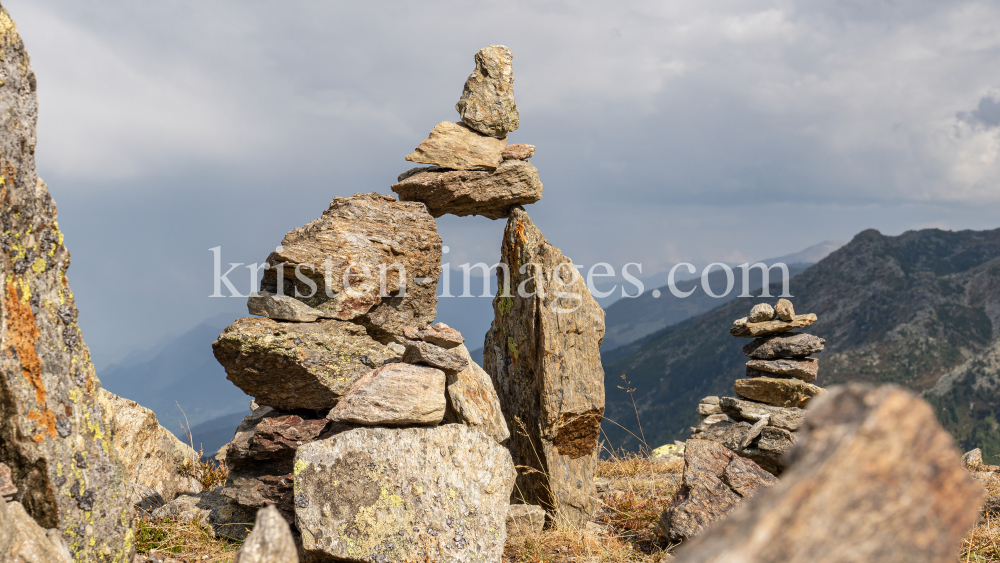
x: 394, y: 395
x: 525, y: 519
x: 455, y: 146
x: 789, y: 418
x: 462, y: 193
x: 874, y: 477
x: 790, y: 345
x: 487, y: 103
x: 281, y: 308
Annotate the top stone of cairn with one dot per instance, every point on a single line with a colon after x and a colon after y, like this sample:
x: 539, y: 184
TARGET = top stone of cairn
x: 487, y: 104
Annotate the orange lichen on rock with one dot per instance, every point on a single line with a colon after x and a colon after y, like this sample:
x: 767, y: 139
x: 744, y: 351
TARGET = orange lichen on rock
x: 23, y: 333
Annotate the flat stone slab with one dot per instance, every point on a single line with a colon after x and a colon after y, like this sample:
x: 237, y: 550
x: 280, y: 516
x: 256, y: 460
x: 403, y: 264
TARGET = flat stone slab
x: 406, y: 494
x: 282, y: 308
x: 435, y: 356
x: 777, y: 392
x: 455, y: 146
x: 752, y: 330
x: 792, y: 345
x: 789, y: 418
x: 440, y: 335
x: 394, y: 395
x: 469, y: 192
x: 805, y: 369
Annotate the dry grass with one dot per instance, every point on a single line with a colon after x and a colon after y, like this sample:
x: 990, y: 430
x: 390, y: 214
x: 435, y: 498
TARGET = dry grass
x: 183, y: 541
x: 210, y: 473
x: 982, y: 543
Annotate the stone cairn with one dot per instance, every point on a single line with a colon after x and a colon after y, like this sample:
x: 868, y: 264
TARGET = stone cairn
x: 761, y: 422
x: 373, y: 433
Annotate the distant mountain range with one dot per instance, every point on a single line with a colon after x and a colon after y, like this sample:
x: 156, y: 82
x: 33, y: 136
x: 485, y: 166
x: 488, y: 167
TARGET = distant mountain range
x: 920, y: 310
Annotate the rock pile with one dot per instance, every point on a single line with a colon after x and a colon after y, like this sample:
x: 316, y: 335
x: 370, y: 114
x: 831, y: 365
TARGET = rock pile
x: 761, y: 421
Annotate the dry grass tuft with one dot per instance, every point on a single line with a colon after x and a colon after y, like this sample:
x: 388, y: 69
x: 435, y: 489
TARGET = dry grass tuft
x: 209, y: 473
x: 184, y: 541
x: 982, y: 543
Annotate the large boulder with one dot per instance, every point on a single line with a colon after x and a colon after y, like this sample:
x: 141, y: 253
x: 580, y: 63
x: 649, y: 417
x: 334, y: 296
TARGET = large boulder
x: 473, y: 401
x: 455, y: 146
x: 487, y: 103
x: 543, y: 353
x: 389, y: 246
x: 874, y: 478
x: 154, y: 458
x: 464, y: 192
x: 715, y: 482
x: 406, y: 494
x: 55, y: 433
x: 290, y: 365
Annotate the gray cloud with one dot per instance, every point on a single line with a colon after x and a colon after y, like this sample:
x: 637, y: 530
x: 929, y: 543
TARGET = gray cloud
x: 986, y: 114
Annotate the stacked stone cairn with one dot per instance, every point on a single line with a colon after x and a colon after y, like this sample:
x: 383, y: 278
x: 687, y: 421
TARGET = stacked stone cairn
x: 373, y: 433
x: 761, y: 421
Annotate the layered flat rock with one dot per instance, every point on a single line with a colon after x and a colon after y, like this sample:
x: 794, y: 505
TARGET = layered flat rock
x: 439, y: 334
x: 805, y: 369
x: 793, y: 345
x: 777, y: 392
x: 462, y: 193
x: 282, y: 308
x: 290, y: 365
x: 487, y: 103
x: 455, y: 146
x: 881, y: 449
x: 435, y: 356
x: 361, y: 237
x: 789, y: 418
x: 56, y: 435
x: 473, y: 401
x: 270, y: 541
x: 543, y: 353
x: 405, y: 494
x: 753, y: 330
x: 518, y: 152
x: 154, y: 458
x: 742, y: 439
x: 394, y: 395
x: 715, y: 482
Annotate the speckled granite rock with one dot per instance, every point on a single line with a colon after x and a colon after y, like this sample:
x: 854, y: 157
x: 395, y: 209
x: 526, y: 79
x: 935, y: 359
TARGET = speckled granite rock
x: 365, y: 230
x: 404, y: 494
x: 56, y: 435
x: 487, y: 103
x: 473, y: 401
x: 455, y: 146
x: 394, y: 395
x: 462, y: 193
x: 785, y: 310
x: 543, y: 353
x: 270, y: 542
x: 440, y: 335
x: 297, y: 365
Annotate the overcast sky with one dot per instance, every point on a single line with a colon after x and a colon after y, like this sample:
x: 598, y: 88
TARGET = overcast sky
x: 666, y: 131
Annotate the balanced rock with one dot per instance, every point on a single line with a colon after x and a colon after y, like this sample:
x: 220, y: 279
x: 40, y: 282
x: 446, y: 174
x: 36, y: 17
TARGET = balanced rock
x: 487, y: 103
x: 525, y: 519
x: 282, y: 308
x: 761, y: 312
x: 462, y: 193
x: 777, y: 392
x: 394, y: 395
x: 473, y: 401
x: 154, y: 458
x: 543, y: 353
x: 789, y: 418
x: 404, y: 494
x: 750, y: 329
x: 455, y: 146
x: 805, y: 369
x: 715, y: 482
x: 22, y: 540
x: 874, y: 477
x: 56, y: 435
x: 518, y: 152
x: 270, y: 541
x: 440, y: 334
x: 380, y: 246
x: 785, y: 310
x: 297, y: 365
x: 435, y: 356
x: 791, y: 345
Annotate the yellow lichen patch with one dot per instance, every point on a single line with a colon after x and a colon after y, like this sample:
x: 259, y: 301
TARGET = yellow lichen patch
x: 39, y: 266
x: 300, y: 465
x: 380, y: 524
x: 512, y: 346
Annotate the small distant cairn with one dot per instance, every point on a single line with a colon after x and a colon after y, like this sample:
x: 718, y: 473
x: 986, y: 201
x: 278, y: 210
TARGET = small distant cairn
x: 760, y: 423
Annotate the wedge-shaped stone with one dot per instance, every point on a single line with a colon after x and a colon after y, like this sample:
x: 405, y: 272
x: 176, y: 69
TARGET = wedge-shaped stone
x: 440, y: 335
x: 359, y: 238
x: 805, y: 369
x: 456, y: 192
x: 405, y: 494
x: 282, y: 308
x: 874, y: 477
x: 394, y: 395
x: 455, y: 146
x: 473, y: 401
x: 487, y: 103
x: 792, y: 345
x: 753, y: 330
x: 435, y: 356
x: 290, y: 365
x: 270, y: 542
x: 777, y: 392
x: 789, y: 418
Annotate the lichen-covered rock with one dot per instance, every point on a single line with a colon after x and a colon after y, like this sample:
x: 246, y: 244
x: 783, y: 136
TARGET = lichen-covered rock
x: 715, y: 482
x: 370, y: 234
x: 525, y: 519
x: 154, y: 458
x: 455, y: 146
x: 487, y: 103
x: 874, y: 477
x: 440, y: 335
x: 473, y: 401
x: 290, y: 365
x: 777, y: 392
x: 55, y: 434
x: 753, y: 330
x: 805, y: 369
x: 381, y: 494
x: 394, y: 395
x: 518, y: 152
x: 435, y: 356
x: 270, y: 542
x: 543, y: 353
x: 462, y: 193
x: 789, y: 418
x: 789, y: 345
x: 22, y: 540
x: 761, y: 312
x: 281, y: 308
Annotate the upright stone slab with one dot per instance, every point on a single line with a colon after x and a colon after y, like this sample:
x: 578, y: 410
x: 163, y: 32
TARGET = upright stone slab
x: 54, y: 433
x: 543, y: 354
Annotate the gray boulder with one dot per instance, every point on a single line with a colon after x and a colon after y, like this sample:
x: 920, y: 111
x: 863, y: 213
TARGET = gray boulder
x: 805, y: 369
x: 777, y: 392
x: 525, y: 519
